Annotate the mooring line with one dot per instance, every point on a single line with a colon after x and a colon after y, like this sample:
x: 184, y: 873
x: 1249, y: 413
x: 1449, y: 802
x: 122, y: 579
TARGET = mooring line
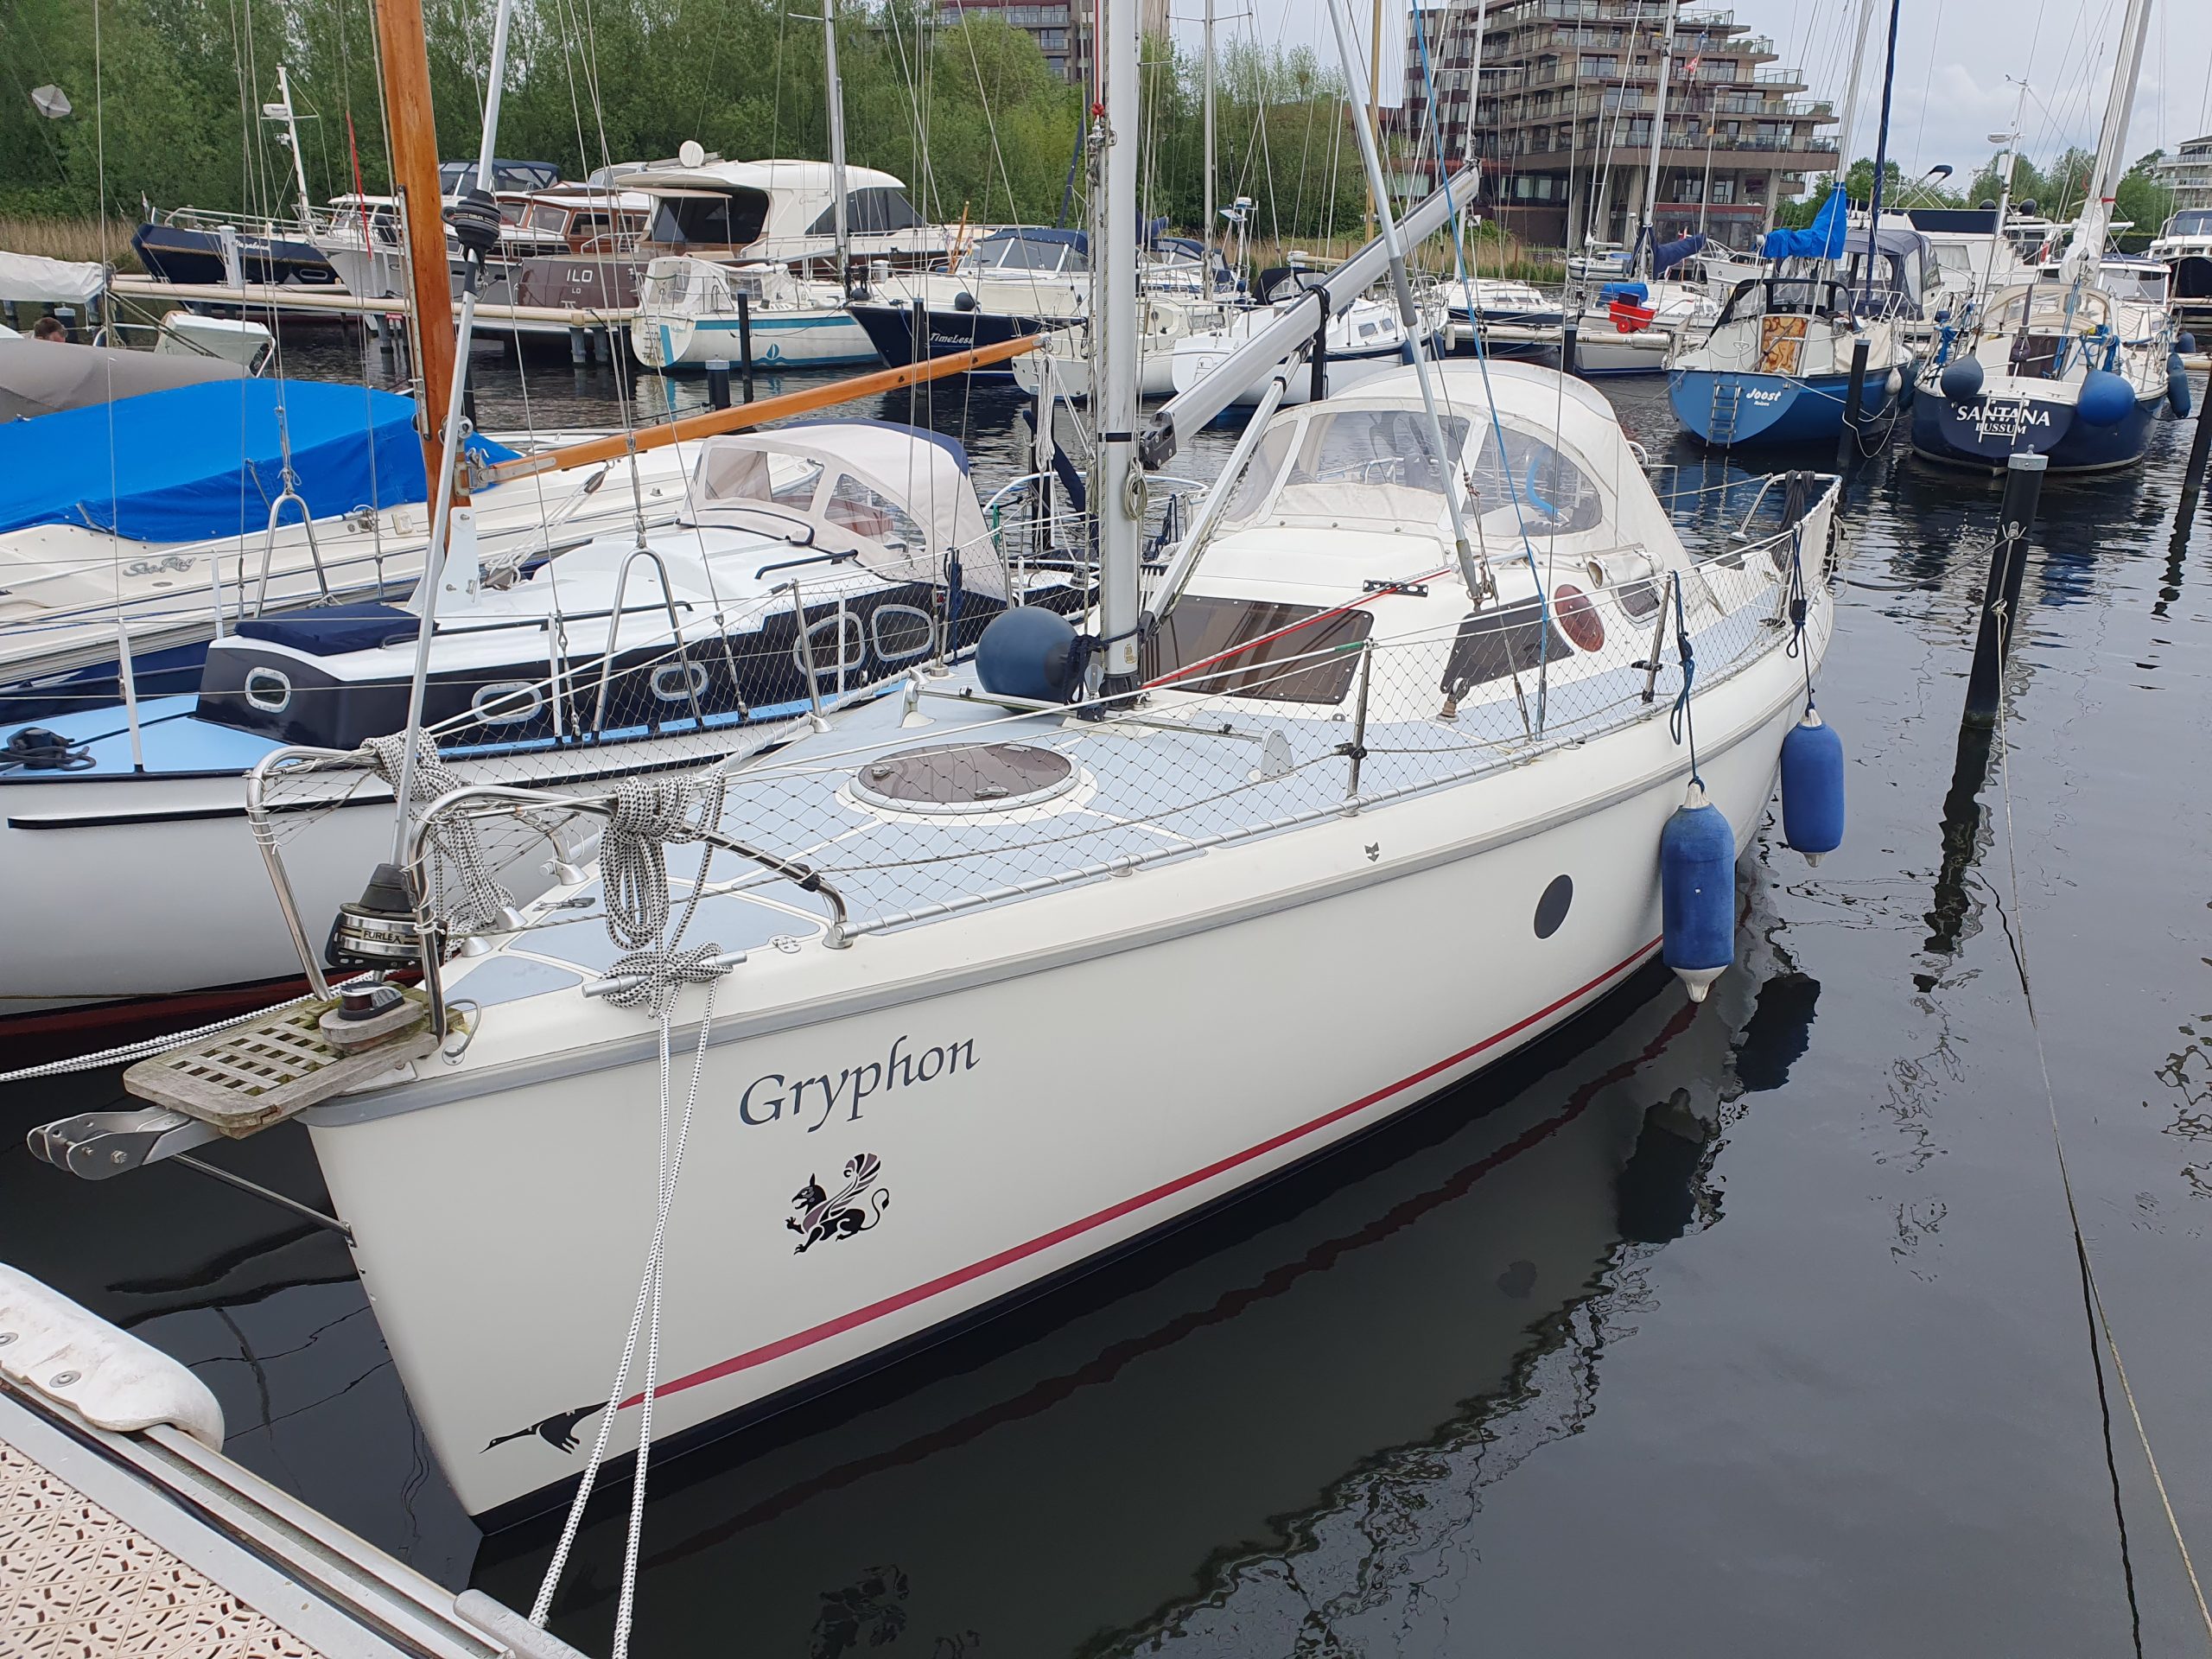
x: 2016, y: 935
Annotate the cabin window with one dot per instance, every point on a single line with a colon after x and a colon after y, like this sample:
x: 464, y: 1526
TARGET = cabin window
x: 734, y: 472
x: 1535, y: 487
x: 868, y: 512
x: 901, y: 631
x: 1368, y: 464
x: 836, y: 643
x: 1253, y: 648
x: 1495, y: 642
x: 717, y: 221
x: 877, y: 211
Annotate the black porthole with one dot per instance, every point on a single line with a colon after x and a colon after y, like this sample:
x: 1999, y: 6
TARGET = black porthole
x: 1551, y: 909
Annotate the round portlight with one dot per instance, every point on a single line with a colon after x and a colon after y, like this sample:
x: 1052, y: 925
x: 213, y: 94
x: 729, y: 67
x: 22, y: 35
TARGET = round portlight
x: 965, y: 778
x: 1577, y: 617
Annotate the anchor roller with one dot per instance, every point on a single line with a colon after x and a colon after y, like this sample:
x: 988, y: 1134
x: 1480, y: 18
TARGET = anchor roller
x: 1697, y: 893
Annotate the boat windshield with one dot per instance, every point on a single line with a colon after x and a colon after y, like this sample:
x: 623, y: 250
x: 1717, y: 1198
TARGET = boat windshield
x: 1012, y: 253
x: 2191, y: 221
x: 2042, y: 310
x: 1351, y: 465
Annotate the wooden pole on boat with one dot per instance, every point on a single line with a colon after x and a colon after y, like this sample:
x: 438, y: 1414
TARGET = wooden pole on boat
x: 761, y: 414
x: 406, y: 59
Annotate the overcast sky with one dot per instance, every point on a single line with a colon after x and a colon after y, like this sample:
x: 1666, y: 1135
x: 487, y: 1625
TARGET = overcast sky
x: 1953, y: 58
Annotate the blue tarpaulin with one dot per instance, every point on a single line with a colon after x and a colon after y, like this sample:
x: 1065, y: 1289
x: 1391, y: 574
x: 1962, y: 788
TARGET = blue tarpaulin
x: 1668, y: 255
x: 1823, y: 239
x: 206, y: 461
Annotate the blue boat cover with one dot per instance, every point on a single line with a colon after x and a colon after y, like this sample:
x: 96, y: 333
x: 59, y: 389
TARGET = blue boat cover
x: 1823, y: 239
x: 1668, y: 255
x: 1634, y: 293
x: 196, y: 463
x: 333, y: 630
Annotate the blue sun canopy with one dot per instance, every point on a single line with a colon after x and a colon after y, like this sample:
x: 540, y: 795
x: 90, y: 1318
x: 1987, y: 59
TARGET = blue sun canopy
x: 1822, y: 239
x: 202, y: 461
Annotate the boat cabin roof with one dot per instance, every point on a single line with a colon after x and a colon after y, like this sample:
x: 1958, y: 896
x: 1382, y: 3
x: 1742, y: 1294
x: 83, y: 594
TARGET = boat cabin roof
x: 1536, y: 457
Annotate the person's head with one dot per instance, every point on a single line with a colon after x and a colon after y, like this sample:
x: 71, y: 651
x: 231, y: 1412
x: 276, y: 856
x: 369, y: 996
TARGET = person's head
x: 49, y: 328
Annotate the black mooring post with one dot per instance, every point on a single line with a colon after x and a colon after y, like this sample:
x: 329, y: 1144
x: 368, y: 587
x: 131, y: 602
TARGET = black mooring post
x: 718, y: 382
x: 1569, y: 327
x: 1846, y: 442
x: 1320, y: 384
x: 743, y: 342
x: 2192, y: 477
x: 2000, y: 600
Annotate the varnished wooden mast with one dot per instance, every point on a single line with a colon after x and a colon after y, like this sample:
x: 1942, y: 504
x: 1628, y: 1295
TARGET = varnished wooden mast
x: 406, y: 61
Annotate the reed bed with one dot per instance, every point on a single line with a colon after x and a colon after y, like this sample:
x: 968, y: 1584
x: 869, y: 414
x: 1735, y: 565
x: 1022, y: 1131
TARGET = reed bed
x: 81, y: 241
x: 1488, y: 256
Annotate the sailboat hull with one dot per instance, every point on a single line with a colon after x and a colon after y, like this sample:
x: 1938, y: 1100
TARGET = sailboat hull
x: 891, y: 329
x: 1725, y: 408
x: 1284, y: 995
x: 1985, y: 432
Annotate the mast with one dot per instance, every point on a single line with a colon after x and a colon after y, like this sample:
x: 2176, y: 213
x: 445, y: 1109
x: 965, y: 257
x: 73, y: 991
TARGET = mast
x: 1119, y: 499
x: 1205, y: 239
x: 1881, y: 160
x: 2089, y: 249
x: 1644, y: 237
x: 406, y: 59
x: 836, y: 88
x: 1374, y: 109
x: 281, y: 111
x: 1851, y: 92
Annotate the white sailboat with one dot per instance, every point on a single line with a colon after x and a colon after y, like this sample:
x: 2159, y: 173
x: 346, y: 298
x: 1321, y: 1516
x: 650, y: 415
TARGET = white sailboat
x: 1041, y: 957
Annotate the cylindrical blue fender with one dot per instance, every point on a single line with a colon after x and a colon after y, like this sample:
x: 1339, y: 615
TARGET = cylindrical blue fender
x: 1812, y: 787
x: 2177, y: 391
x: 1697, y: 893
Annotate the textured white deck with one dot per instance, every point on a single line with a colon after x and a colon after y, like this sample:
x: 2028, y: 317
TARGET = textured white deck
x: 77, y: 1583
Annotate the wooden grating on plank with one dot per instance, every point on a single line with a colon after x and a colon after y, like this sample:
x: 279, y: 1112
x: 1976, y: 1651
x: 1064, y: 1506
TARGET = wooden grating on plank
x: 246, y: 1078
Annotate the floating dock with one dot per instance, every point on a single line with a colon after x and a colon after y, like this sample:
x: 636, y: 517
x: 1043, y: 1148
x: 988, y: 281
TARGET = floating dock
x: 294, y: 299
x: 125, y: 1531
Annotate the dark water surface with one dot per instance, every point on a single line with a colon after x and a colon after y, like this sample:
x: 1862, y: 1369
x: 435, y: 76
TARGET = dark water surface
x: 1749, y: 1329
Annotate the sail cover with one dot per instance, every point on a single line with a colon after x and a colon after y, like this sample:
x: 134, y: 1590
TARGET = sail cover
x: 206, y: 461
x: 1822, y: 239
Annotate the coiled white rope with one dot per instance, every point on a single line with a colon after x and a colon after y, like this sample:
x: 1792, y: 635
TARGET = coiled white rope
x: 481, y: 898
x: 649, y: 815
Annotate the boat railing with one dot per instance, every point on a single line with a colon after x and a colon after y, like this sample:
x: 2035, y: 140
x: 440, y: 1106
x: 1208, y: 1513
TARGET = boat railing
x: 1335, y: 713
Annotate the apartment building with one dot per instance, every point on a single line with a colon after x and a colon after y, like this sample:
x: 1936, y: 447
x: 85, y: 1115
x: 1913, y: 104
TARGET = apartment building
x: 1561, y: 123
x: 2187, y: 173
x: 1059, y: 28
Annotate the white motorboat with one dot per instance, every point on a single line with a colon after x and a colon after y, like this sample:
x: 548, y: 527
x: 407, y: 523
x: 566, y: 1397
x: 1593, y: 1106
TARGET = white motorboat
x: 1366, y: 339
x: 688, y: 316
x: 623, y: 655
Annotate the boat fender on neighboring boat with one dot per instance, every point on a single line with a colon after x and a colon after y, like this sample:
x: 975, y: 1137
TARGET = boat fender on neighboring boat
x: 2177, y: 394
x: 1027, y: 652
x: 1911, y: 370
x: 2188, y: 344
x: 964, y: 301
x: 1697, y: 893
x: 1895, y: 383
x: 1812, y: 787
x: 2105, y: 399
x: 1961, y: 381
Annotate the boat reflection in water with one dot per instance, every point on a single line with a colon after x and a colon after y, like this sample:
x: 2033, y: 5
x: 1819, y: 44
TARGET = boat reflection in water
x: 1288, y: 1416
